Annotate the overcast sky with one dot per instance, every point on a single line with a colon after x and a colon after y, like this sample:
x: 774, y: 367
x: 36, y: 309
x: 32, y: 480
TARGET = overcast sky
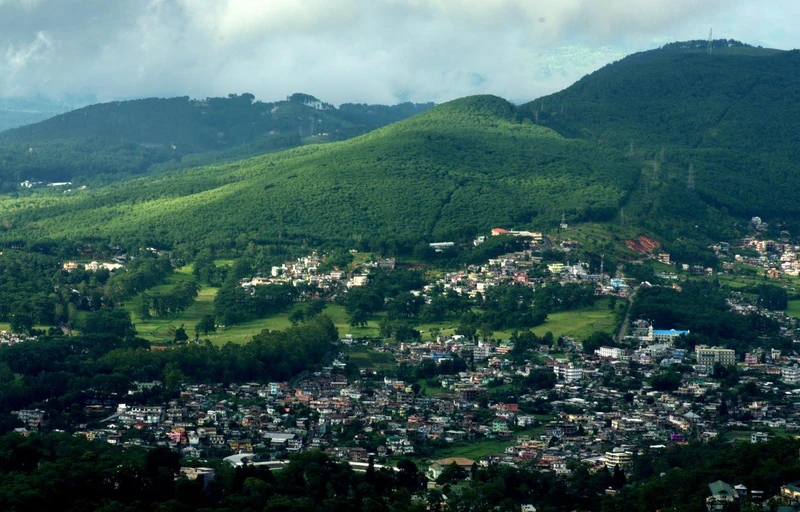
x: 376, y: 51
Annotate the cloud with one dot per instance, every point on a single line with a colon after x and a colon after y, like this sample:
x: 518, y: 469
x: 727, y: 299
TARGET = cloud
x: 349, y: 50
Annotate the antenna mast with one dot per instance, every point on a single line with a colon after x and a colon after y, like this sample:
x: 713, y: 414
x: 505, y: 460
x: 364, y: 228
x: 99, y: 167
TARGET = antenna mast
x: 690, y: 179
x: 710, y: 41
x: 602, y: 260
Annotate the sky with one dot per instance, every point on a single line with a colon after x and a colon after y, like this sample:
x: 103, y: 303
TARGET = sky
x: 360, y: 51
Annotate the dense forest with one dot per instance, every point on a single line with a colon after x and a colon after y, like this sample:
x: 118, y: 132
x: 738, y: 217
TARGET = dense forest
x: 732, y: 115
x: 107, y: 142
x: 682, y: 140
x: 452, y: 172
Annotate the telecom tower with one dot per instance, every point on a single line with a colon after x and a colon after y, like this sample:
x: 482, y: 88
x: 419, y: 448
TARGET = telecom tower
x: 710, y: 41
x: 602, y: 261
x: 690, y: 179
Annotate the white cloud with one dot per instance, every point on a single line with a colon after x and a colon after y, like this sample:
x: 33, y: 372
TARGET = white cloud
x: 350, y: 50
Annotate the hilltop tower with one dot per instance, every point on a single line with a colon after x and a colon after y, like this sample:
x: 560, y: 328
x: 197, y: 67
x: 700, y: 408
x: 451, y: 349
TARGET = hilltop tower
x: 710, y: 41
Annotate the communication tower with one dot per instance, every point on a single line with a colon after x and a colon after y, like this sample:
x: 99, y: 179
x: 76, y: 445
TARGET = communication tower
x: 710, y: 41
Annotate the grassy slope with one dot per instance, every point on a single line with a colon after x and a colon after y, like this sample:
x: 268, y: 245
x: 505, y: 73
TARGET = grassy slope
x: 794, y: 308
x: 463, y: 165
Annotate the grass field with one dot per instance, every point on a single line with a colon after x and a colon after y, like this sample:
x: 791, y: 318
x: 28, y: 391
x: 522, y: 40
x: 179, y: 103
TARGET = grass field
x: 794, y: 308
x: 5, y: 326
x: 364, y: 358
x: 159, y: 330
x: 477, y: 449
x: 579, y: 324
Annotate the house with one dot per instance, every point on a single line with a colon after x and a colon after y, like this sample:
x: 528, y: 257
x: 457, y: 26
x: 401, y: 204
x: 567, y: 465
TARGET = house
x: 435, y: 470
x: 791, y: 491
x: 722, y: 495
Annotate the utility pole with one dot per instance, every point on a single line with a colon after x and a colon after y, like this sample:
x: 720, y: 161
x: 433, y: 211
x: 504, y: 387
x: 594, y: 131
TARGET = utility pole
x: 690, y: 179
x: 630, y: 150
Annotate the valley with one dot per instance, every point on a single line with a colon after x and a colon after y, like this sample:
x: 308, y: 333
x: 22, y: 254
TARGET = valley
x: 546, y: 304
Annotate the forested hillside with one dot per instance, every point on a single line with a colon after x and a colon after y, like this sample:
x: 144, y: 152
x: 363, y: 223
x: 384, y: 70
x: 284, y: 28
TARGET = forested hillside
x: 456, y: 170
x: 109, y: 141
x: 733, y: 115
x: 680, y: 140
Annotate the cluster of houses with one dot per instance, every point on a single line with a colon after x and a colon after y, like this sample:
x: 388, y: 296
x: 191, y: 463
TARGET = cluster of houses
x: 599, y: 410
x: 92, y: 266
x: 724, y: 496
x: 305, y: 271
x: 12, y: 338
x: 595, y: 413
x: 777, y: 258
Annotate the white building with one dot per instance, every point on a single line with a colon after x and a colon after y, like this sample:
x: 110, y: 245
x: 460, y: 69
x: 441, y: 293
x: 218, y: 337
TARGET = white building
x: 568, y: 372
x: 708, y: 356
x: 610, y: 352
x: 790, y: 375
x: 618, y: 457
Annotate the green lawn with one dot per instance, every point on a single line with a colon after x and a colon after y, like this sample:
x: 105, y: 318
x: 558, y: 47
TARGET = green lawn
x: 474, y: 450
x: 159, y: 330
x: 364, y: 358
x: 579, y: 324
x: 430, y: 391
x: 5, y: 326
x: 794, y: 308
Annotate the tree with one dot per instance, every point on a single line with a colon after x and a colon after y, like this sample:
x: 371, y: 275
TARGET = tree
x: 116, y: 322
x: 21, y: 323
x: 143, y: 307
x: 618, y: 479
x: 297, y: 316
x: 451, y: 474
x: 206, y: 325
x: 180, y: 334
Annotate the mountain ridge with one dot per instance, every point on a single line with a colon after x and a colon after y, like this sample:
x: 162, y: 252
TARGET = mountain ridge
x: 471, y: 164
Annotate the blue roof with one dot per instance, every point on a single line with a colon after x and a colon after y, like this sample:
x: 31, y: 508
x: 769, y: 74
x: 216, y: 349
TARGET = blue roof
x: 670, y: 332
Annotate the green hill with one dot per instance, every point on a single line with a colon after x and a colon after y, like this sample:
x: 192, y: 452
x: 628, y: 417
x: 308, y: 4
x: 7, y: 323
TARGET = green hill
x: 734, y: 115
x: 623, y: 137
x: 453, y: 171
x: 109, y: 141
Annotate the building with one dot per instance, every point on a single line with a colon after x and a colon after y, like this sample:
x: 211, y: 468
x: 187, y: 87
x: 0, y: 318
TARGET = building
x: 568, y: 373
x: 790, y: 375
x: 791, y: 491
x: 722, y: 496
x: 667, y: 335
x: 708, y: 356
x: 441, y: 246
x: 618, y: 457
x: 611, y: 352
x: 759, y: 437
x: 439, y: 465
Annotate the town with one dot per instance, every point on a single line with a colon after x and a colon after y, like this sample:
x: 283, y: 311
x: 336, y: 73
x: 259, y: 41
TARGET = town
x: 472, y: 399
